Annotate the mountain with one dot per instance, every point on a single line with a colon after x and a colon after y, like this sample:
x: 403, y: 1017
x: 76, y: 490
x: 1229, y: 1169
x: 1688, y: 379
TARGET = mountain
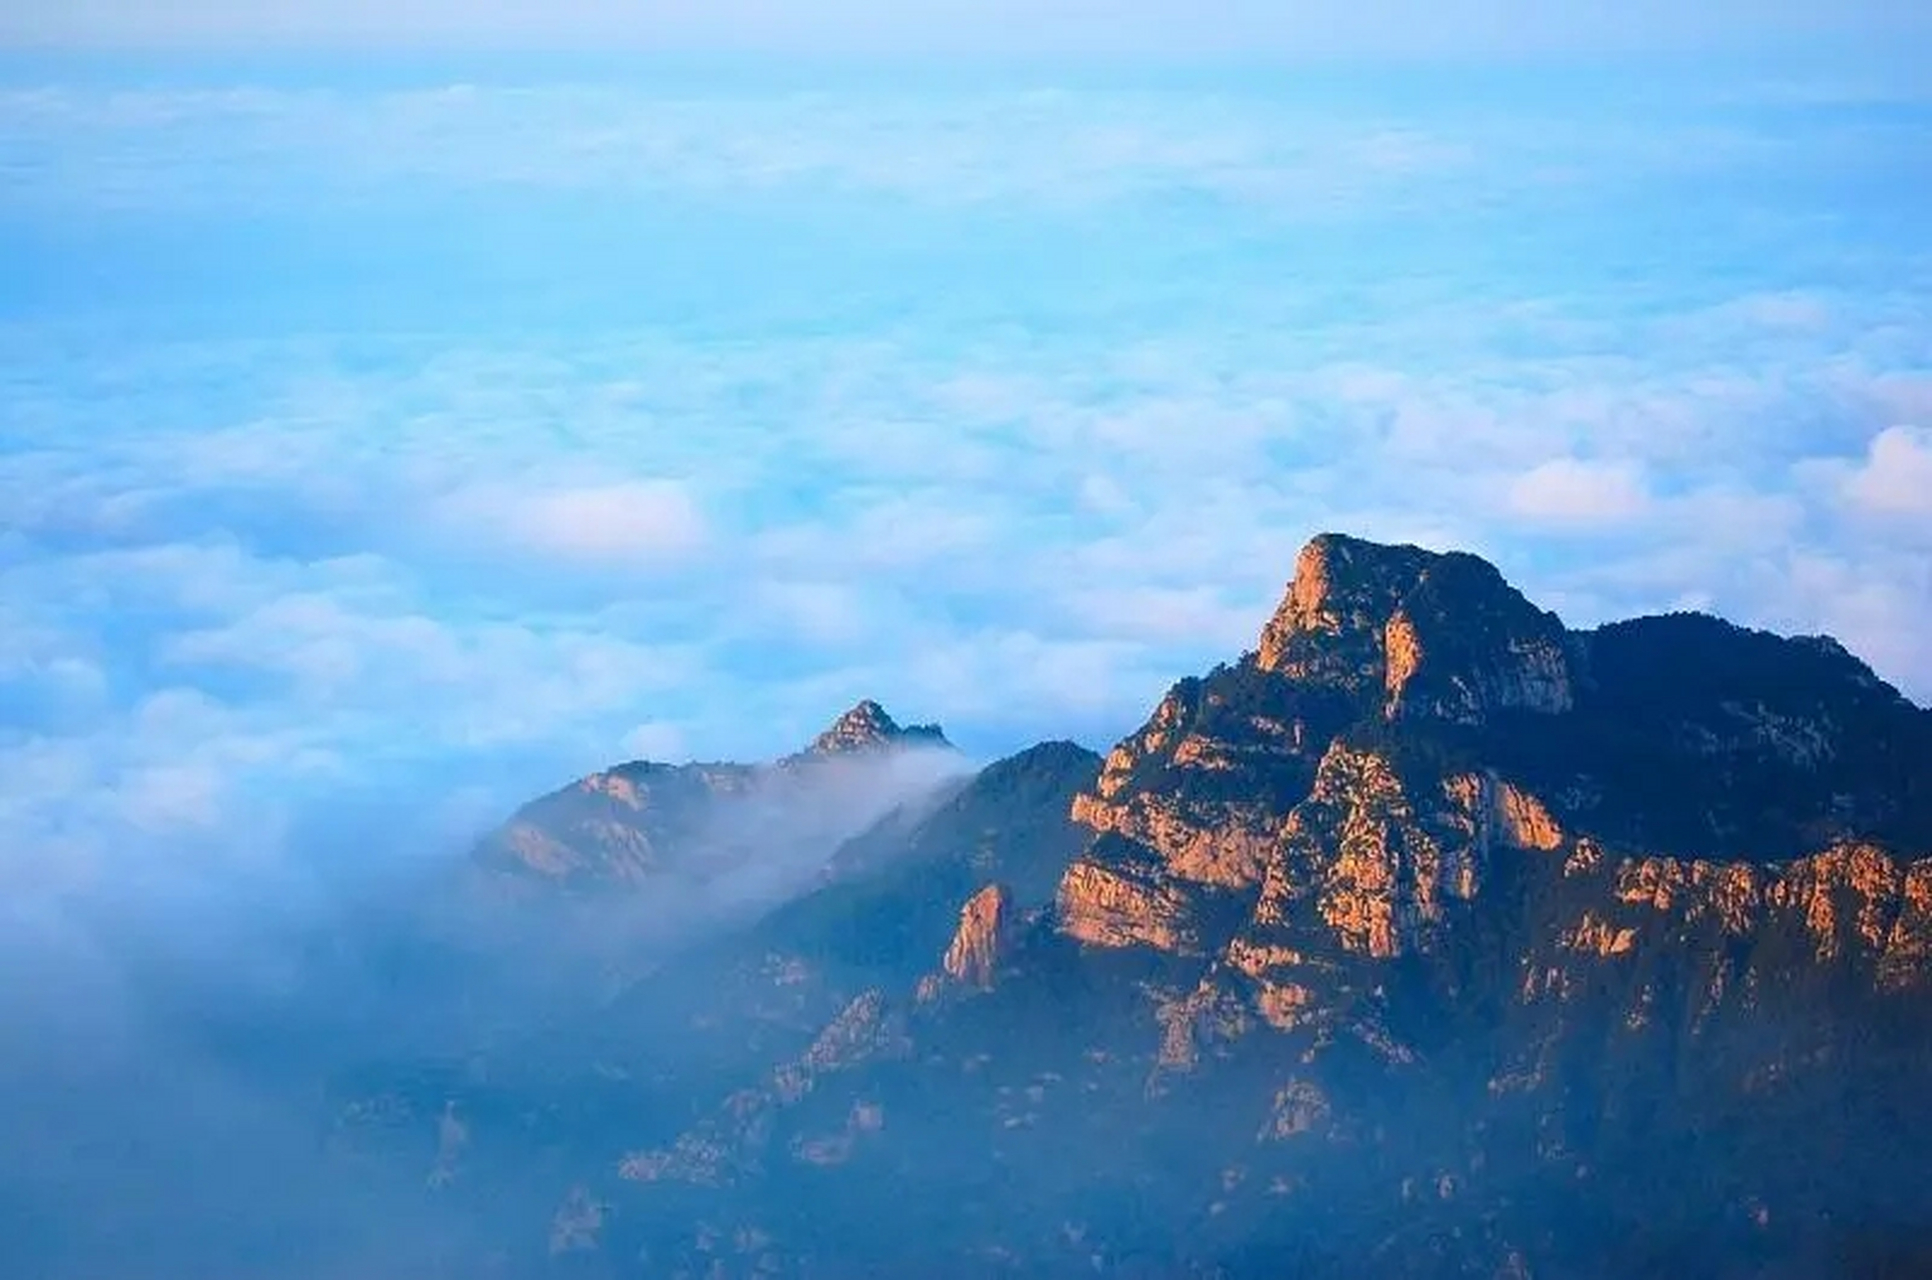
x: 1428, y: 938
x: 633, y: 824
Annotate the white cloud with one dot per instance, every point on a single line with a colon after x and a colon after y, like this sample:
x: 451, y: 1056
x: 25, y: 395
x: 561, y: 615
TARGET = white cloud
x: 458, y: 683
x: 1106, y: 496
x: 1787, y: 310
x: 998, y: 145
x: 165, y: 796
x: 1195, y: 617
x: 626, y: 524
x: 1895, y: 478
x: 886, y: 530
x: 1901, y: 396
x: 817, y: 612
x: 1576, y: 492
x: 1007, y: 673
x: 322, y: 644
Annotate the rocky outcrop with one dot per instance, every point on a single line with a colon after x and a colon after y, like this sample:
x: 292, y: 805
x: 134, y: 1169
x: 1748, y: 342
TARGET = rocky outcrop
x: 868, y: 727
x: 1300, y: 1107
x: 1342, y: 836
x: 1331, y: 627
x: 1200, y: 1023
x: 1201, y: 842
x: 984, y: 939
x: 1183, y: 786
x: 1381, y: 868
x: 1186, y: 814
x: 1854, y: 907
x: 1118, y: 895
x: 1436, y: 635
x: 1907, y: 957
x: 864, y: 1029
x: 1237, y: 783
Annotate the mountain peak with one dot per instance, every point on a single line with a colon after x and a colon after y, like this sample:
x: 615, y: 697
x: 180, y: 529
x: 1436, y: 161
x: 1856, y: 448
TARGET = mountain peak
x: 1438, y: 632
x: 1342, y: 583
x: 869, y: 726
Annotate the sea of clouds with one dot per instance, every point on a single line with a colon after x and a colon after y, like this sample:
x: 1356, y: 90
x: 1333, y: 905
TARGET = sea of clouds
x: 452, y: 438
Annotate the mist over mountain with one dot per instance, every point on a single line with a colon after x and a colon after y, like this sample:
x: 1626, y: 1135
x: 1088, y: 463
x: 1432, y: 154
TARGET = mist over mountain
x: 1428, y: 937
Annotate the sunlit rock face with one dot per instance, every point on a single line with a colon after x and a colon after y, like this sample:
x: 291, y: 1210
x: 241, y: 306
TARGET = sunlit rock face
x: 1112, y: 899
x: 1435, y: 635
x: 1378, y: 864
x: 1853, y: 906
x: 1429, y: 938
x: 985, y: 936
x: 1409, y: 716
x: 1331, y: 627
x: 1235, y: 784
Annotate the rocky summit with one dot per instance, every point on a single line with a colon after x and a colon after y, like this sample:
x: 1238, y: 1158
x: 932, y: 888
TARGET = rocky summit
x: 630, y: 825
x: 868, y: 727
x: 1428, y: 938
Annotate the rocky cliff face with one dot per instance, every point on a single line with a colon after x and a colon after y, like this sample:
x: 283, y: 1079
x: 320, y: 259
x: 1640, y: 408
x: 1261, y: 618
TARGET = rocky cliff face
x: 985, y: 937
x: 1442, y: 720
x: 1429, y: 938
x: 1431, y: 635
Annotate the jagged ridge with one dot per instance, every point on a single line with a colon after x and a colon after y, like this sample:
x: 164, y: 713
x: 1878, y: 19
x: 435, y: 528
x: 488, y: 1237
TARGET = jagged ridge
x: 621, y: 827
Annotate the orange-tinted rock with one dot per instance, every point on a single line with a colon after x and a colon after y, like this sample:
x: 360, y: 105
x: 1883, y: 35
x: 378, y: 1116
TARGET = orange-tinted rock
x: 1438, y: 635
x: 1300, y: 1107
x: 1217, y: 844
x: 985, y: 935
x: 1110, y: 905
x: 1384, y: 874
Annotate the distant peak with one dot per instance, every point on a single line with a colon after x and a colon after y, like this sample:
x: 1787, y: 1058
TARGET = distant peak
x: 866, y: 721
x: 868, y: 726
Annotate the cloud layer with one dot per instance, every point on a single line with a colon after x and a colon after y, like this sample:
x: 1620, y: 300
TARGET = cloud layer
x: 362, y: 437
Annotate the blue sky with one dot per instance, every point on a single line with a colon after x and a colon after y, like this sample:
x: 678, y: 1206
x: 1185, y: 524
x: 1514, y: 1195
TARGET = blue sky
x: 445, y: 432
x: 1081, y: 28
